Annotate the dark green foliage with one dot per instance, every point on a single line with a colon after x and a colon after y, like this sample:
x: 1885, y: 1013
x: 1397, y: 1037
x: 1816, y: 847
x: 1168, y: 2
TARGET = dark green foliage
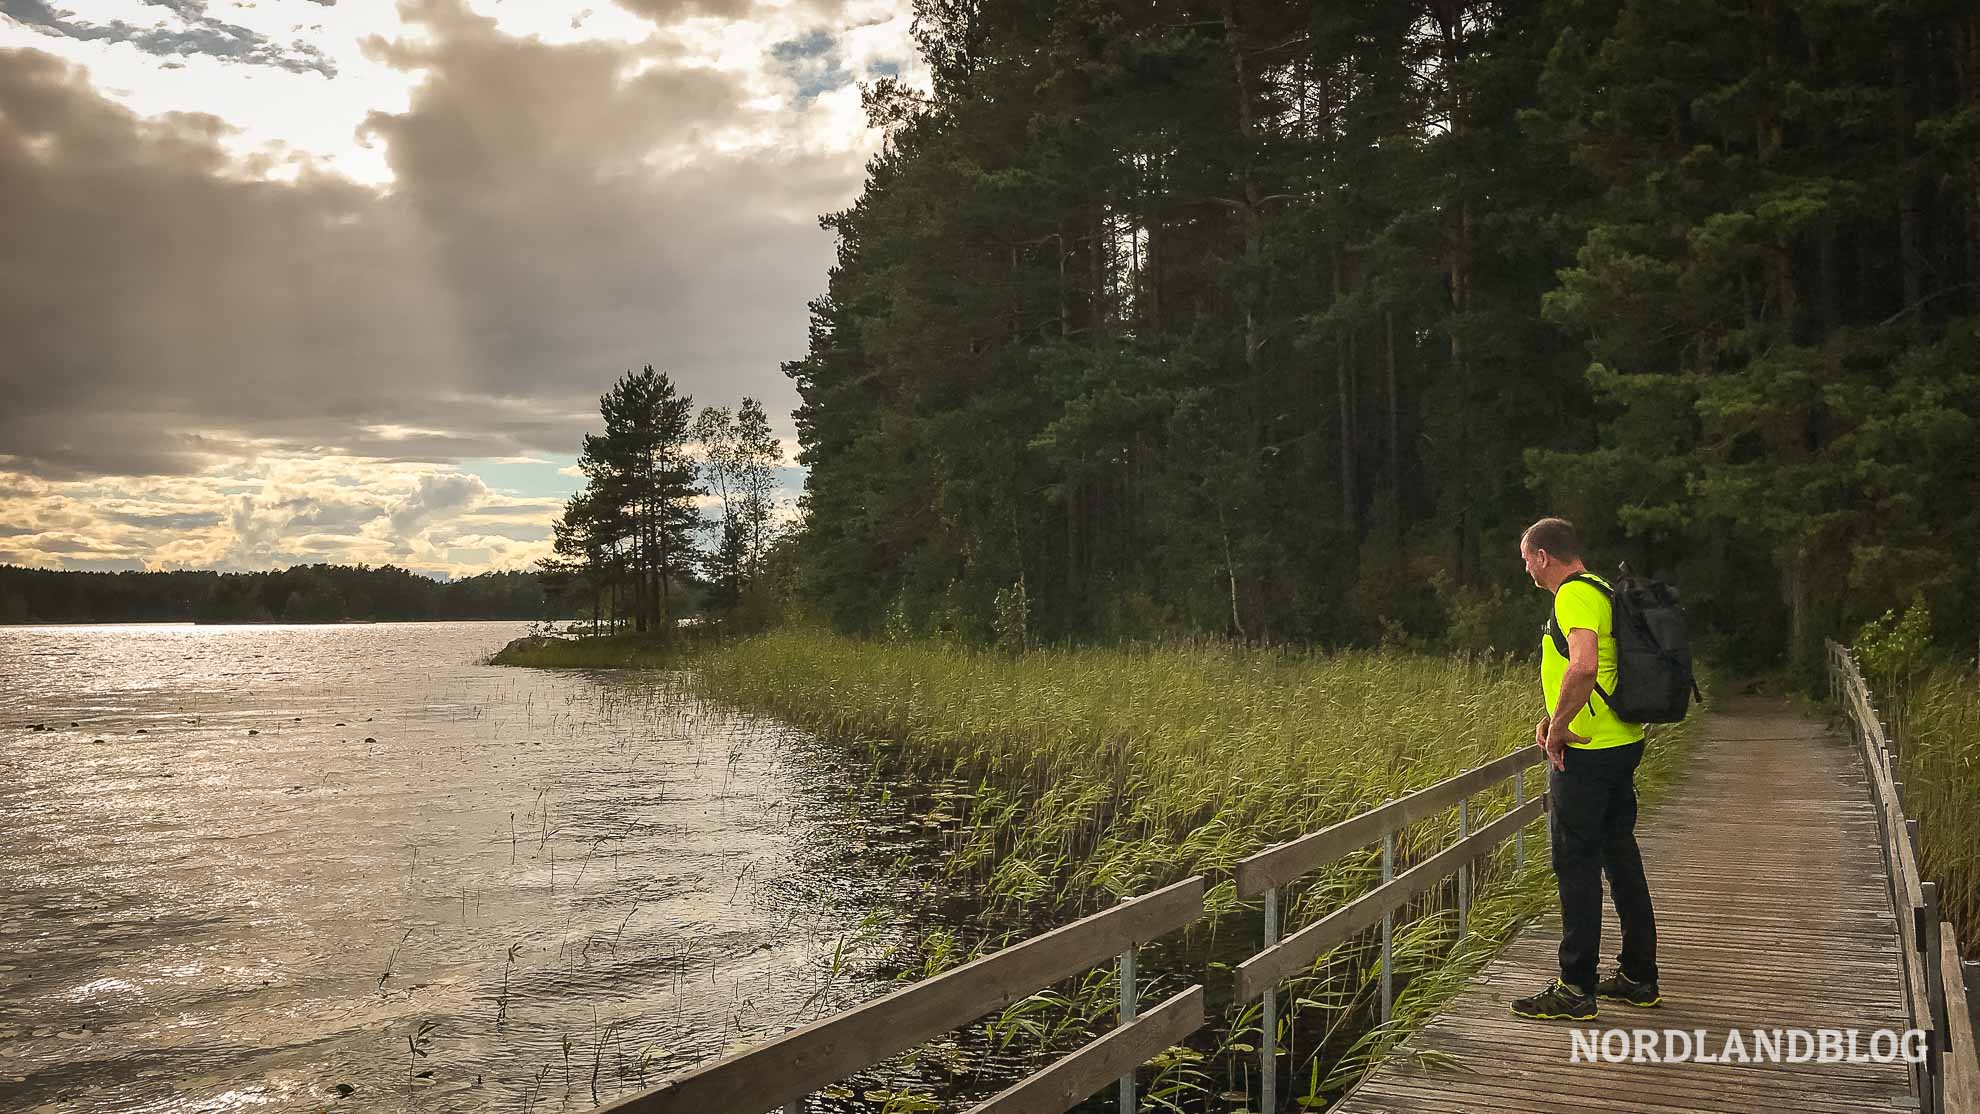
x: 1778, y: 291
x: 1278, y: 320
x: 303, y: 594
x: 627, y: 540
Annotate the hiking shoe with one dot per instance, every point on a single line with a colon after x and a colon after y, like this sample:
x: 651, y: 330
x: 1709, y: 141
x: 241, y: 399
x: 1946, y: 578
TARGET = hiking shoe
x: 1558, y: 1002
x: 1619, y: 987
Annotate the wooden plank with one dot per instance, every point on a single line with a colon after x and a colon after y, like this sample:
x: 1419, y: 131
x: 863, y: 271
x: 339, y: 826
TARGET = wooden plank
x: 1275, y: 866
x: 1754, y: 928
x: 1962, y: 1058
x: 1071, y: 1079
x: 825, y: 1051
x: 1297, y: 951
x: 1643, y: 1093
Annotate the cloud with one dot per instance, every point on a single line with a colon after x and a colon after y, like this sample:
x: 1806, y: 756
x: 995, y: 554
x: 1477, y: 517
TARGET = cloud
x: 187, y: 30
x: 278, y: 510
x: 201, y: 311
x: 167, y: 521
x: 436, y: 495
x: 560, y: 214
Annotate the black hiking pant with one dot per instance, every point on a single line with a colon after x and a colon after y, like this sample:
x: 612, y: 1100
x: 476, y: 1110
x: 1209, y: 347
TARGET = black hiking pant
x: 1592, y: 825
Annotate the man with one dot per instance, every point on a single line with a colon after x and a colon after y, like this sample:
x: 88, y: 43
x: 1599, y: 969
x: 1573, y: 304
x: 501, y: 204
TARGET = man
x: 1592, y: 819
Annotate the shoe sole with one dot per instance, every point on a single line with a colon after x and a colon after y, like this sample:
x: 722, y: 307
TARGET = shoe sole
x: 1650, y: 1005
x: 1589, y: 1016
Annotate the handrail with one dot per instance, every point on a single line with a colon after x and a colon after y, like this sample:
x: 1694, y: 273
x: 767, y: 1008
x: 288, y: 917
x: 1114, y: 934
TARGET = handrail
x: 781, y: 1071
x: 1072, y: 1078
x: 1275, y: 866
x: 1267, y: 870
x: 1948, y: 1082
x: 1308, y: 944
x: 1962, y: 1067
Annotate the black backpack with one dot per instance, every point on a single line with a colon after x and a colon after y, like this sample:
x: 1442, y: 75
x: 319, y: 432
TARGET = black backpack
x: 1654, y: 683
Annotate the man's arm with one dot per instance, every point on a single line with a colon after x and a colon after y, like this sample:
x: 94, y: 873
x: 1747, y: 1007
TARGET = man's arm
x: 1576, y: 686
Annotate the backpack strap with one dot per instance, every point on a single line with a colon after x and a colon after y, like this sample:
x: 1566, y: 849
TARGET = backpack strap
x: 1554, y: 627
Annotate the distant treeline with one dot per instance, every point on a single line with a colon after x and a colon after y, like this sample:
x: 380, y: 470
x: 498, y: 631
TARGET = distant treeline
x: 306, y: 593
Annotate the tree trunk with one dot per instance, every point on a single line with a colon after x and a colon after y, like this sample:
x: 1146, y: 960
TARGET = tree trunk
x: 1461, y: 372
x: 1230, y: 569
x: 1344, y: 380
x: 1249, y: 218
x: 1794, y: 582
x: 1831, y: 281
x: 1450, y: 18
x: 1395, y: 421
x: 1910, y: 199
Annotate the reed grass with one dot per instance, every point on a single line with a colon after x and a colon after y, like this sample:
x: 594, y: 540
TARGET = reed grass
x: 1066, y: 778
x: 1938, y: 758
x: 1099, y: 773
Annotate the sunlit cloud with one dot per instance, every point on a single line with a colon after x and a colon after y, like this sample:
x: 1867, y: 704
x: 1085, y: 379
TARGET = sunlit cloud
x: 286, y: 281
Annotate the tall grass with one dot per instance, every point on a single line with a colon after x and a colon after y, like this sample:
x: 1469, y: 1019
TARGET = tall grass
x: 1097, y: 773
x: 1938, y: 757
x: 1068, y: 777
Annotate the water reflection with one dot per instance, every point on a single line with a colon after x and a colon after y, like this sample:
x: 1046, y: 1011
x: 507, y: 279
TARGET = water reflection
x: 346, y: 867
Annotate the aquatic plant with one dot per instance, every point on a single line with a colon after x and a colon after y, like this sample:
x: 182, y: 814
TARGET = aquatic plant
x: 502, y: 1001
x: 392, y: 961
x: 1098, y: 773
x: 1068, y: 778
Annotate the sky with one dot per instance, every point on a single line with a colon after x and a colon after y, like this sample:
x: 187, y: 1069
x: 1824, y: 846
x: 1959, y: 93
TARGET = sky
x: 285, y: 281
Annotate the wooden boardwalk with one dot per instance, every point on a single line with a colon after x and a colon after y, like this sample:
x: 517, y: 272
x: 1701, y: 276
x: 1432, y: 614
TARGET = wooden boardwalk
x: 1772, y: 913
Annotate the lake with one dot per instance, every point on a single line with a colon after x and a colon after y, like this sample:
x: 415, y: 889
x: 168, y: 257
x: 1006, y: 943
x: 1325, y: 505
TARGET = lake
x: 349, y: 867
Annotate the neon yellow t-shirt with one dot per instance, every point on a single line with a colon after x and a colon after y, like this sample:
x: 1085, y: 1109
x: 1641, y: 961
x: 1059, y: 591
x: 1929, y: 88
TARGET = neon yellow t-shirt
x: 1582, y: 606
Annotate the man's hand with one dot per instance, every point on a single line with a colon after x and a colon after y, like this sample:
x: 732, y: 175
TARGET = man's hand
x: 1554, y: 738
x: 1558, y: 760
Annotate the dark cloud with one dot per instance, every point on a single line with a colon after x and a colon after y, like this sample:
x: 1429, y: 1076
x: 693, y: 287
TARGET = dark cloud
x: 202, y: 35
x: 490, y: 510
x: 557, y: 219
x: 477, y: 532
x: 166, y: 520
x: 666, y: 12
x: 328, y: 514
x: 103, y: 564
x: 436, y: 495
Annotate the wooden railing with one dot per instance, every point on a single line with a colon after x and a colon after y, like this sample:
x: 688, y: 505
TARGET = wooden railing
x: 1266, y: 871
x: 1948, y: 1081
x: 780, y: 1072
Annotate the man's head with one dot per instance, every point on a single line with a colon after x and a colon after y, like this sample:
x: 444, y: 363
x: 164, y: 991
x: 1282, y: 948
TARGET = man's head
x: 1551, y: 551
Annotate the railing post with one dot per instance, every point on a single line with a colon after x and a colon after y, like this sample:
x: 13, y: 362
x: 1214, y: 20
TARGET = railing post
x: 1128, y: 1002
x: 1464, y: 872
x: 1268, y: 1024
x: 1388, y: 926
x: 1519, y: 837
x: 1935, y: 995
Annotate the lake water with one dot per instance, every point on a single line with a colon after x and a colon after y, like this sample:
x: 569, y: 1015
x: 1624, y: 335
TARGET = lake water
x: 348, y: 867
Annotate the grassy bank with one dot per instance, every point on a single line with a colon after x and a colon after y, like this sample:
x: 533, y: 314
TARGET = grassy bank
x: 1096, y: 773
x: 1066, y: 778
x: 1939, y: 762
